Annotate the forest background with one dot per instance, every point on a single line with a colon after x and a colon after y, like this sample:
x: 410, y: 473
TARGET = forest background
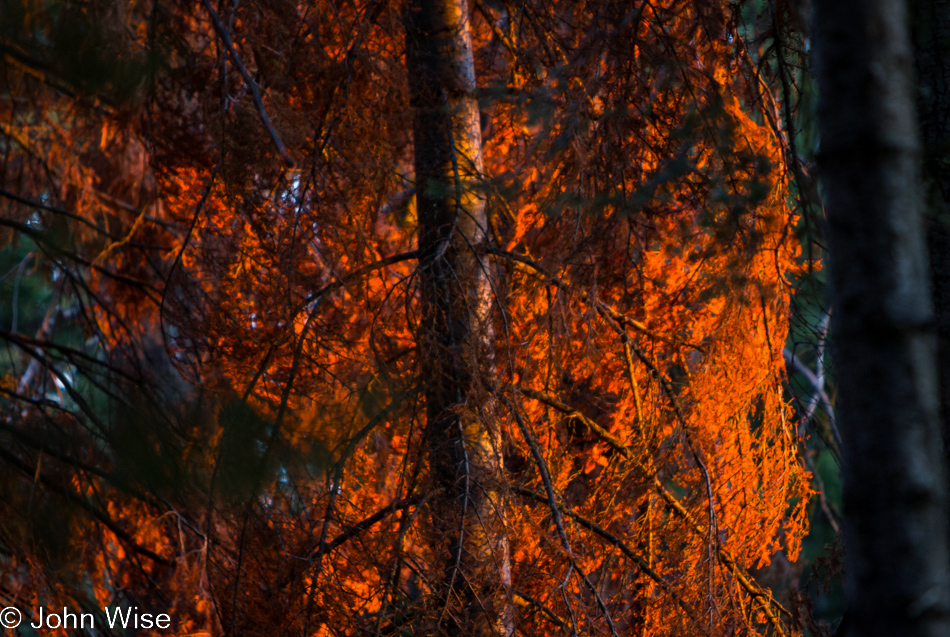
x: 418, y: 318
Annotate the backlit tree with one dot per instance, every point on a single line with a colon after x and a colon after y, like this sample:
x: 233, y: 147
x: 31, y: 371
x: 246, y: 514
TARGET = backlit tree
x: 396, y: 318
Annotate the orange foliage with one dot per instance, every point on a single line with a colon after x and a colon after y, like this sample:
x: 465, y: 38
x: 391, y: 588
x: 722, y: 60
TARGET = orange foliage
x: 640, y: 248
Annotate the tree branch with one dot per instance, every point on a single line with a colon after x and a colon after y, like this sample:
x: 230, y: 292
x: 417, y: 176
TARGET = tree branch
x: 255, y: 91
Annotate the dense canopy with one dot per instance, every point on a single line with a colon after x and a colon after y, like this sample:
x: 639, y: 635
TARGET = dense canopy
x: 326, y: 341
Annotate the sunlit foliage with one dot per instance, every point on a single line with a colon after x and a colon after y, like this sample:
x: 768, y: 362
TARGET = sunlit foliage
x: 216, y: 412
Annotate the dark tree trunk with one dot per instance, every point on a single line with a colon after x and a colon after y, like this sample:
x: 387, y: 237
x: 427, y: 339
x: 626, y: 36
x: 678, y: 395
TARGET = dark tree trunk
x: 930, y: 21
x: 455, y: 334
x: 895, y: 490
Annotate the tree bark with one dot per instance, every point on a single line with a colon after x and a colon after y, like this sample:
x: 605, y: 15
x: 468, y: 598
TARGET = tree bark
x: 884, y: 341
x: 455, y: 334
x: 930, y: 26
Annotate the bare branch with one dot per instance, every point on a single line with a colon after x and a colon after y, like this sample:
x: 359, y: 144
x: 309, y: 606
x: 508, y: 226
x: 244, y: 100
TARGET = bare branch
x: 255, y: 91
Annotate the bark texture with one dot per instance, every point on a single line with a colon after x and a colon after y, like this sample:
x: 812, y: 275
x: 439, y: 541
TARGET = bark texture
x: 455, y: 334
x: 895, y: 489
x: 930, y: 22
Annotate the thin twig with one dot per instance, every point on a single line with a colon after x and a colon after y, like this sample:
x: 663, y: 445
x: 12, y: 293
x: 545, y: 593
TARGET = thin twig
x: 745, y: 580
x: 817, y: 385
x: 620, y: 545
x: 255, y: 91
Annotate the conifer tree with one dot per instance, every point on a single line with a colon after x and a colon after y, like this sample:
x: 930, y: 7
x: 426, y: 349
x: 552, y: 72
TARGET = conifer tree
x: 397, y: 317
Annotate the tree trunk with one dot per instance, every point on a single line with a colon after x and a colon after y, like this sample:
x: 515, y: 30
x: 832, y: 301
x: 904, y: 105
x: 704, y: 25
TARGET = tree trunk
x: 895, y: 490
x: 455, y: 334
x: 930, y: 22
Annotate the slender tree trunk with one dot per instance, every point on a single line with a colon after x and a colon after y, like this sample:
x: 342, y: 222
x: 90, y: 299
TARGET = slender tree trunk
x: 895, y: 489
x: 455, y: 334
x: 930, y: 22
